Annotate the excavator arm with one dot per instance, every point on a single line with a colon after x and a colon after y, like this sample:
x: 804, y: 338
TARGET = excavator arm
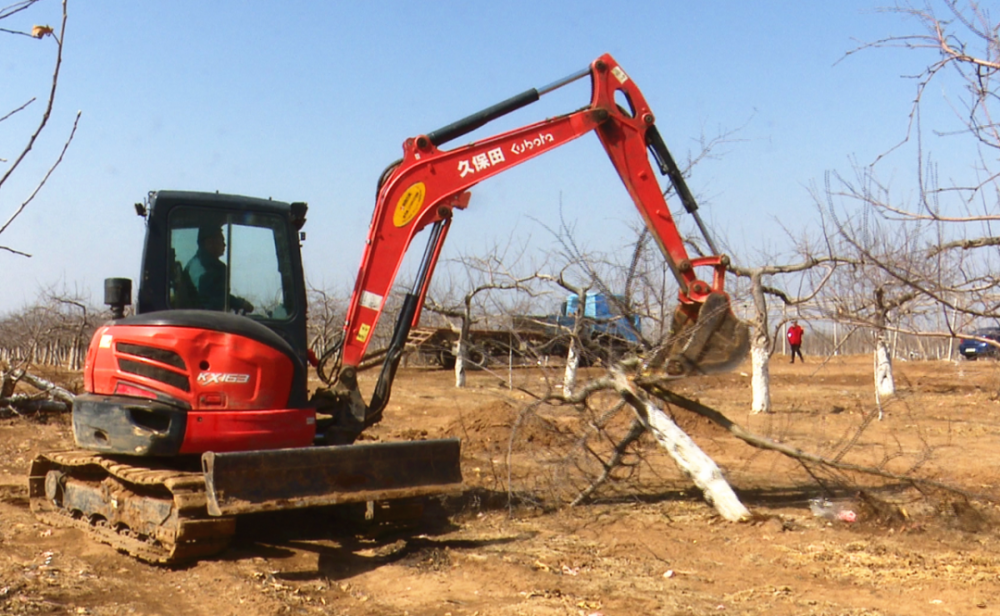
x: 428, y: 184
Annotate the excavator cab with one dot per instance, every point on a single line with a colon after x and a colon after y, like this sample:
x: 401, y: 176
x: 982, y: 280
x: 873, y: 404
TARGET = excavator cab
x: 228, y: 254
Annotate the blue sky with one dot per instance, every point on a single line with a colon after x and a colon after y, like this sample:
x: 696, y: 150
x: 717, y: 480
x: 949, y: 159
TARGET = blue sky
x: 309, y: 101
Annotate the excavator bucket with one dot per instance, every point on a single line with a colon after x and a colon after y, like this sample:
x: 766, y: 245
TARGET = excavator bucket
x: 253, y: 481
x: 704, y: 340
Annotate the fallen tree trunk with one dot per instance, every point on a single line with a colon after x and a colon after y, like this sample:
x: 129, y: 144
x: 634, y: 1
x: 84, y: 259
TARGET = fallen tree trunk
x: 50, y: 399
x: 692, y: 461
x: 761, y: 442
x: 29, y: 404
x: 58, y: 393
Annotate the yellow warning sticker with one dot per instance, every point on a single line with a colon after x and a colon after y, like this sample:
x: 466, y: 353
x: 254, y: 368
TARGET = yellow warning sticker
x: 409, y: 204
x: 363, y: 332
x: 105, y: 341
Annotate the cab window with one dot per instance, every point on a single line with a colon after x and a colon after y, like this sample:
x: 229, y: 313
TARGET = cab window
x: 230, y: 262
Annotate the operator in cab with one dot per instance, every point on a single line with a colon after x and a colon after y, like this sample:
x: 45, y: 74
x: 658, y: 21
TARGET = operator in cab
x: 208, y: 273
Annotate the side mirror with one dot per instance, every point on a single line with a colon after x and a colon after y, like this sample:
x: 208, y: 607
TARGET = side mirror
x: 298, y: 211
x: 117, y: 295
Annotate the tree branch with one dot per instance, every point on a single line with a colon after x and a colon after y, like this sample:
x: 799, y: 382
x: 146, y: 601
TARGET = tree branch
x: 762, y: 442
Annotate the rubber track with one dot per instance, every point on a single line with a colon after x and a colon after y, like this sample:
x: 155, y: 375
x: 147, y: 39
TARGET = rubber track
x: 197, y: 534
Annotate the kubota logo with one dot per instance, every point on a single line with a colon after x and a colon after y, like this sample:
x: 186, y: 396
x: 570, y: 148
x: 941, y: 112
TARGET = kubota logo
x: 222, y: 378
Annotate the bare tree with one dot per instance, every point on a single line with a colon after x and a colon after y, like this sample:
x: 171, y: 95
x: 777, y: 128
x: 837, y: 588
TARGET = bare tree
x: 891, y: 287
x: 55, y: 331
x: 927, y: 264
x: 904, y: 273
x: 326, y: 318
x: 575, y: 334
x: 623, y: 285
x: 13, y: 162
x: 52, y: 333
x: 77, y: 322
x: 761, y: 341
x: 484, y: 276
x: 325, y: 327
x: 962, y: 39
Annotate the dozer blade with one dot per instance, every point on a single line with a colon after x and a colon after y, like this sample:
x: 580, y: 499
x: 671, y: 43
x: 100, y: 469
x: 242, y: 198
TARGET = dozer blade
x: 711, y: 341
x: 252, y: 481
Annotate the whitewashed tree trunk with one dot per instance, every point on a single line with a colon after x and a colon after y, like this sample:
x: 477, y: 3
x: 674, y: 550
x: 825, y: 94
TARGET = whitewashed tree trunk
x: 760, y: 378
x: 760, y: 350
x: 460, y: 352
x: 462, y: 346
x: 694, y: 463
x: 573, y: 354
x: 572, y: 364
x: 954, y: 327
x: 691, y: 460
x: 885, y: 386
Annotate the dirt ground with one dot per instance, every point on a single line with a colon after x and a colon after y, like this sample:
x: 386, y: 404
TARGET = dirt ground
x: 647, y: 545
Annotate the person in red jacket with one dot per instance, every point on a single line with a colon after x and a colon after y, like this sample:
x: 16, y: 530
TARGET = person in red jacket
x: 795, y: 340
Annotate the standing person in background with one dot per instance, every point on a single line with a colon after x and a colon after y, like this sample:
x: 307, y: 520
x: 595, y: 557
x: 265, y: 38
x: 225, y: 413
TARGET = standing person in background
x: 795, y: 332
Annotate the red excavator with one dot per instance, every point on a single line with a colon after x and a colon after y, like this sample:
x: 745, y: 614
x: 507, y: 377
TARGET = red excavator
x: 197, y: 407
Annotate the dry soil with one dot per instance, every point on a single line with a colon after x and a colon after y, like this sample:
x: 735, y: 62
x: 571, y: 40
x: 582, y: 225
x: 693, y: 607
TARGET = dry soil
x: 648, y: 545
